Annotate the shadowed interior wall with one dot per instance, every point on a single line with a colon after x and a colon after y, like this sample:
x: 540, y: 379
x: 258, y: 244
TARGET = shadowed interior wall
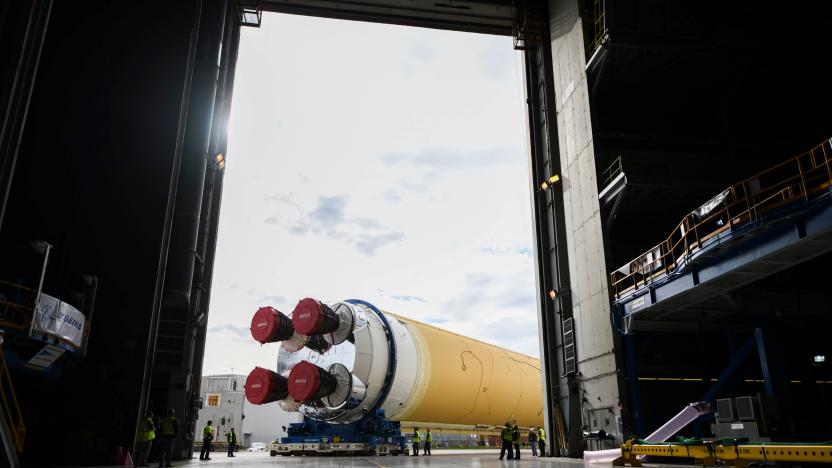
x: 587, y: 268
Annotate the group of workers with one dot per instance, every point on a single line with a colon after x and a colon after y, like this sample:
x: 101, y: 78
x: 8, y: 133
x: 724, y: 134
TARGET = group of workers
x: 208, y: 437
x: 511, y: 441
x: 417, y: 439
x: 167, y: 428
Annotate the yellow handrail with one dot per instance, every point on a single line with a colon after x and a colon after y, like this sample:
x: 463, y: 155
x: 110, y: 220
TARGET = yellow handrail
x: 801, y: 177
x: 738, y: 455
x: 9, y: 401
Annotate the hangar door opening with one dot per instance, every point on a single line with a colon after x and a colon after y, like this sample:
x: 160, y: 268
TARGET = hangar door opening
x: 389, y: 164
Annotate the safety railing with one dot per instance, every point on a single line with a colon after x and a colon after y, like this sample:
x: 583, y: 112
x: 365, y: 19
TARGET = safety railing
x: 598, y: 26
x: 611, y: 172
x: 803, y: 177
x: 14, y: 314
x: 11, y: 407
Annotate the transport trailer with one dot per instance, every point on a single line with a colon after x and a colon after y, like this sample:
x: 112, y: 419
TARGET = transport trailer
x: 373, y: 435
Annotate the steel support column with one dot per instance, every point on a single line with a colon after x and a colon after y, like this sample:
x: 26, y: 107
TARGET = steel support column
x: 550, y: 249
x: 28, y: 21
x: 632, y: 388
x: 736, y: 361
x: 189, y: 191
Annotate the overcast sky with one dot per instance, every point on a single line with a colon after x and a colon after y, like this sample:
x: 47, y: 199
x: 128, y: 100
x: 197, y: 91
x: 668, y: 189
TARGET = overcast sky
x: 377, y: 162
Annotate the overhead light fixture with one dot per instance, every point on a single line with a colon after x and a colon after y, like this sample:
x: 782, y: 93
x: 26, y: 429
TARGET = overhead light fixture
x: 819, y: 359
x: 553, y: 294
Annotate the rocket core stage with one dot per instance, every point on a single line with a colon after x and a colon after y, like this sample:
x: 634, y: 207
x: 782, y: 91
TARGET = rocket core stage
x: 339, y: 361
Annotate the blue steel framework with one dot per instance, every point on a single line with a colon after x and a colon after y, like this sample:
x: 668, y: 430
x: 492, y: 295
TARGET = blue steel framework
x: 801, y: 227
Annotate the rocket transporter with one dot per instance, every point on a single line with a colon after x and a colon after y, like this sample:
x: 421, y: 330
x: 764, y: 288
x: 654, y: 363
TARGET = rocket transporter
x: 355, y: 371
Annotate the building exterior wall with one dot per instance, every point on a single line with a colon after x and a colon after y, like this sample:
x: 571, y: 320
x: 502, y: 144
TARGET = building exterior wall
x: 223, y: 402
x: 587, y: 269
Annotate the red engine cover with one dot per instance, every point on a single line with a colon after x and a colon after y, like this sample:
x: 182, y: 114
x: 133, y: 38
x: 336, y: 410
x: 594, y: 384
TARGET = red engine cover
x: 263, y: 386
x: 265, y: 324
x: 308, y: 316
x: 304, y: 381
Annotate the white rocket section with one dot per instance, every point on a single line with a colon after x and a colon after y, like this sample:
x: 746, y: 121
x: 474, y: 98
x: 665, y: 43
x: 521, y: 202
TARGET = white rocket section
x: 409, y: 367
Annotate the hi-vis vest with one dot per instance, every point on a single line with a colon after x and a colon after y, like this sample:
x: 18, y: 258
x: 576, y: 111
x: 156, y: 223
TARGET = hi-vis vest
x: 232, y: 437
x: 167, y: 426
x: 146, y: 431
x: 506, y: 433
x: 429, y: 437
x: 417, y: 437
x: 541, y: 434
x: 208, y: 433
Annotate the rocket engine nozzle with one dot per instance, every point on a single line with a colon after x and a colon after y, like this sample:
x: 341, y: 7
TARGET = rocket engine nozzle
x: 269, y: 325
x: 308, y: 382
x: 264, y: 386
x: 311, y: 317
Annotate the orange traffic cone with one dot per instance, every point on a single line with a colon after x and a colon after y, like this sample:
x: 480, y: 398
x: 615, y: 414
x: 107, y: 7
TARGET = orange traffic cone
x: 119, y: 458
x: 128, y: 460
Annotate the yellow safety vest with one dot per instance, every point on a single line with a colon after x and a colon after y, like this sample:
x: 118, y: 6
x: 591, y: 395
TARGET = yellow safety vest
x: 541, y: 434
x: 208, y: 433
x: 167, y: 426
x: 146, y: 431
x: 506, y: 433
x: 417, y: 437
x: 231, y: 437
x: 429, y: 437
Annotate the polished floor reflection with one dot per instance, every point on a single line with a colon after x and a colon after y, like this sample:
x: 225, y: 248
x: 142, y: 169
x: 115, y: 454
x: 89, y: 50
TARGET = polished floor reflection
x: 440, y: 459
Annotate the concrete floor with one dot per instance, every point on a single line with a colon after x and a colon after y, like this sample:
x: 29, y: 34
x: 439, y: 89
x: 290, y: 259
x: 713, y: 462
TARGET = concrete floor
x: 440, y: 459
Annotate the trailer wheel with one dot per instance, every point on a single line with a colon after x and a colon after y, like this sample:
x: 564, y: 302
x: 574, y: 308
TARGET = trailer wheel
x: 273, y: 453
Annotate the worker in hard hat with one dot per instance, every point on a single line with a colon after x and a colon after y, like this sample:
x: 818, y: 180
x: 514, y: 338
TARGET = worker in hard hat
x: 505, y: 434
x: 428, y: 440
x: 144, y: 439
x: 231, y: 438
x: 515, y: 439
x: 170, y: 429
x: 207, y: 437
x: 417, y: 438
x: 533, y: 440
x: 541, y: 441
